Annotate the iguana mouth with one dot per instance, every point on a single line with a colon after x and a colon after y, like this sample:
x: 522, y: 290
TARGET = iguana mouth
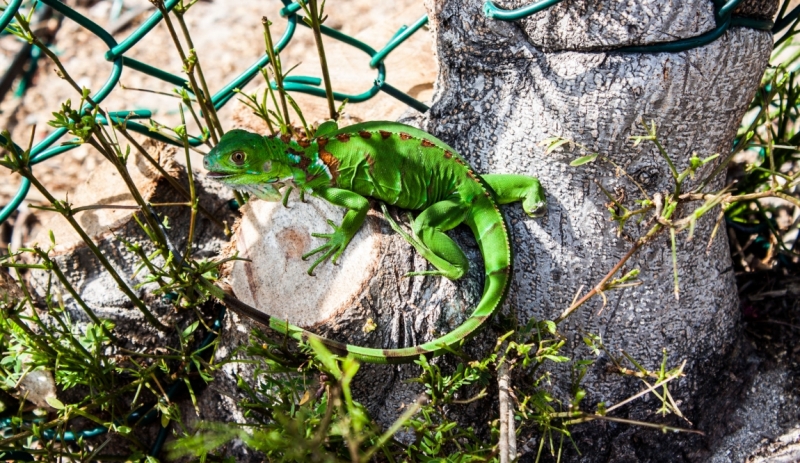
x: 219, y: 175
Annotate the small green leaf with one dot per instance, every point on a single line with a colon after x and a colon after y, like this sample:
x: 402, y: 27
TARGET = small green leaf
x: 556, y: 143
x: 326, y: 127
x: 549, y: 326
x: 55, y: 403
x: 583, y: 160
x: 190, y: 329
x: 556, y: 358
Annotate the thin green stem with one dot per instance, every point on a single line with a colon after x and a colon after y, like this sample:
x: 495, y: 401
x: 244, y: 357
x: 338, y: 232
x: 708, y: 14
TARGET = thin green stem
x: 169, y: 178
x: 63, y: 357
x: 37, y: 339
x: 96, y: 251
x: 75, y: 296
x: 105, y: 206
x: 323, y: 62
x: 206, y: 103
x: 275, y: 61
x: 192, y: 193
x: 672, y: 168
x: 186, y: 204
x: 147, y: 263
x: 201, y: 98
x: 103, y: 146
x: 674, y: 262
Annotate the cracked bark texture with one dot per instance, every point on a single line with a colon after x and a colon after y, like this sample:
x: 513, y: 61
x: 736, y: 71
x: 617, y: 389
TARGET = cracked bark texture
x: 597, y: 24
x: 502, y: 88
x: 505, y: 86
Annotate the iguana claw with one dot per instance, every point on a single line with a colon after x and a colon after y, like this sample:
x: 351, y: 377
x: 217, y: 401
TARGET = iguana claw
x: 412, y: 239
x: 337, y: 241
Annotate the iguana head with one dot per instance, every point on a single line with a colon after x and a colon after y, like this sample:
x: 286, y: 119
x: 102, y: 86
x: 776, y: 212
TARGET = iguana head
x: 249, y: 162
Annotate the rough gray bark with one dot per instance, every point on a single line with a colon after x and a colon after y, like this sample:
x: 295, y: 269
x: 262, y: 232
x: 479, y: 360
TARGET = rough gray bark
x: 580, y: 25
x: 499, y: 95
x: 503, y: 87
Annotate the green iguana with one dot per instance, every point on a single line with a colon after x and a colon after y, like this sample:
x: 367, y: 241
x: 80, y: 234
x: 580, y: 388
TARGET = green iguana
x: 399, y: 165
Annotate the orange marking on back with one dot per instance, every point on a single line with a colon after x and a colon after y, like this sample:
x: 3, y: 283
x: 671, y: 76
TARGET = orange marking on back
x: 448, y: 155
x: 385, y: 134
x: 322, y: 141
x: 405, y: 136
x: 427, y: 144
x: 343, y: 137
x: 331, y: 162
x: 364, y: 134
x: 304, y: 143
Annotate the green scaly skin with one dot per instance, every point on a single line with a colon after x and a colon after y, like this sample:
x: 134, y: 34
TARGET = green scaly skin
x: 399, y: 165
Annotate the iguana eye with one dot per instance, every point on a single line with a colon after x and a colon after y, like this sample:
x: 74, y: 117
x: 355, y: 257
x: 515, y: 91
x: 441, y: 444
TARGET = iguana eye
x: 238, y: 157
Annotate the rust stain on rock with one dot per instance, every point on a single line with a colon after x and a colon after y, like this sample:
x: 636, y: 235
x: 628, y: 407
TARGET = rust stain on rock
x: 293, y: 241
x: 252, y: 281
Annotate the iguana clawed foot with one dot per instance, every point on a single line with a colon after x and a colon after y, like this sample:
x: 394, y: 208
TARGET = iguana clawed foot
x: 535, y: 206
x: 337, y: 242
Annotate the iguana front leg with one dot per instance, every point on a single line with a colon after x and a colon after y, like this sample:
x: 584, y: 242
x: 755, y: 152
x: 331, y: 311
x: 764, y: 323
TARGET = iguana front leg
x: 509, y: 188
x: 357, y: 206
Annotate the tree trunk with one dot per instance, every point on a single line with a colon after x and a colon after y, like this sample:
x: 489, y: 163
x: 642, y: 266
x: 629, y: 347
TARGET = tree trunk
x: 503, y: 87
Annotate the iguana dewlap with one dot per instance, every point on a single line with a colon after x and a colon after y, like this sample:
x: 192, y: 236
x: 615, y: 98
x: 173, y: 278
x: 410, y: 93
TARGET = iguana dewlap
x: 399, y: 165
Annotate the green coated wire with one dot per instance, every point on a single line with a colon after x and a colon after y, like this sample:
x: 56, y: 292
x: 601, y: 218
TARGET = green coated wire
x: 9, y: 12
x: 723, y: 16
x: 45, y: 150
x: 399, y: 37
x: 679, y: 45
x: 140, y: 32
x: 494, y: 12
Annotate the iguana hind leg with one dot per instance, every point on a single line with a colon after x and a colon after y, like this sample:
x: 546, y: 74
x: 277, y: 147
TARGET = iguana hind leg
x: 509, y: 188
x: 429, y: 239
